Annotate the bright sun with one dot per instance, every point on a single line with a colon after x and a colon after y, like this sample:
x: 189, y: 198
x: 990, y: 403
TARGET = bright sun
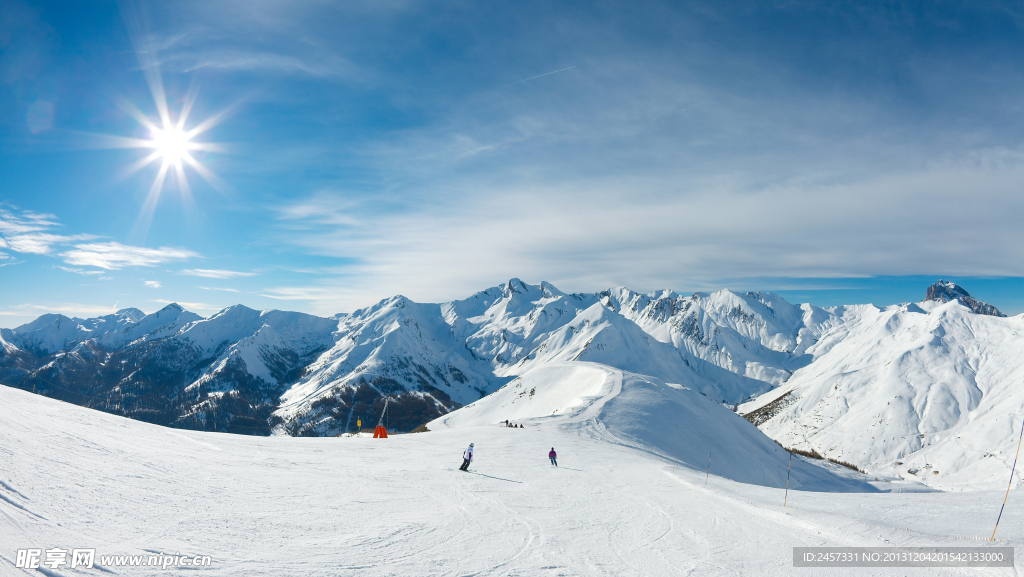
x: 172, y: 144
x: 172, y: 147
x: 169, y: 144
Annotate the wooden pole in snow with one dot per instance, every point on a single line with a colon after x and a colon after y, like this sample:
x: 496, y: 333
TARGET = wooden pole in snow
x: 1014, y: 468
x: 790, y: 469
x: 709, y: 470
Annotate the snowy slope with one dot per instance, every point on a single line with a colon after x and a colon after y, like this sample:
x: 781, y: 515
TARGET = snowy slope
x: 928, y: 387
x: 670, y: 420
x: 73, y: 477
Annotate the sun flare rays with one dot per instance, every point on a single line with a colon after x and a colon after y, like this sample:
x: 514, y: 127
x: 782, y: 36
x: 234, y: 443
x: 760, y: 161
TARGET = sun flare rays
x: 172, y: 146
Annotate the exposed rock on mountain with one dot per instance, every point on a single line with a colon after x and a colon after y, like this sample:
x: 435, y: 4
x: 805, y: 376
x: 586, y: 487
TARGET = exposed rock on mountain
x: 944, y: 291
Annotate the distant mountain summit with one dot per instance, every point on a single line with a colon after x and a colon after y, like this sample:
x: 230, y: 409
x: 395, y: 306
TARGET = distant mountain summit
x: 945, y: 291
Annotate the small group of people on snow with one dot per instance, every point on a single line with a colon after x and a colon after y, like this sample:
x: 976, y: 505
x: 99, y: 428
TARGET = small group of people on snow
x: 467, y: 457
x: 513, y: 426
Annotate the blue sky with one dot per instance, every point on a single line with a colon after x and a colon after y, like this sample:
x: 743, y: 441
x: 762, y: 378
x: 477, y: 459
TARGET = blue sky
x: 836, y: 152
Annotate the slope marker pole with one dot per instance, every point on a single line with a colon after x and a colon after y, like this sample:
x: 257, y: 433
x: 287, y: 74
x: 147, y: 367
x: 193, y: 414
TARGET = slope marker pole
x: 1014, y: 468
x: 709, y: 470
x: 790, y: 469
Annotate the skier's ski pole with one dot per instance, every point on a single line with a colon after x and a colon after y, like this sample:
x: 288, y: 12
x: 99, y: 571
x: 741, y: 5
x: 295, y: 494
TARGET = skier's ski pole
x: 709, y: 470
x: 787, y: 479
x: 1008, y: 484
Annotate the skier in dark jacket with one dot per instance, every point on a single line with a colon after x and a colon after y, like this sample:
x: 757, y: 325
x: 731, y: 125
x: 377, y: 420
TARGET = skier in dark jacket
x: 552, y: 455
x: 466, y: 458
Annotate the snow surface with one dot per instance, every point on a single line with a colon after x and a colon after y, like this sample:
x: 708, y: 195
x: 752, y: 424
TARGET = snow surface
x: 73, y: 477
x: 928, y: 387
x: 670, y: 420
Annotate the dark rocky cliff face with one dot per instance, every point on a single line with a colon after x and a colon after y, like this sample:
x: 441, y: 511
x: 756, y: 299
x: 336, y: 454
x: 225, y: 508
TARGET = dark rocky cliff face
x: 944, y: 291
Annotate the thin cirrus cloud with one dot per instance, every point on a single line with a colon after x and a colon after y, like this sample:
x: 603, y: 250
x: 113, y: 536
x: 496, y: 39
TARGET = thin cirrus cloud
x: 656, y: 234
x: 152, y: 283
x: 13, y: 222
x: 80, y: 271
x: 643, y: 166
x: 191, y: 306
x: 296, y: 293
x: 72, y: 309
x: 28, y: 232
x: 114, y: 255
x: 215, y: 273
x: 213, y: 288
x: 42, y: 243
x: 236, y: 60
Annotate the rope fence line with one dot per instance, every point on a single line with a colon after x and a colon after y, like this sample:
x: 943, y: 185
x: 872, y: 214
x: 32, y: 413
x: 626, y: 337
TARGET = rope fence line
x: 1009, y: 484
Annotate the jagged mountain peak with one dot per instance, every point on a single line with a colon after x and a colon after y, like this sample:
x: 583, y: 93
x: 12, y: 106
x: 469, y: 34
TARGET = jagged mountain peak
x: 514, y: 285
x: 944, y: 291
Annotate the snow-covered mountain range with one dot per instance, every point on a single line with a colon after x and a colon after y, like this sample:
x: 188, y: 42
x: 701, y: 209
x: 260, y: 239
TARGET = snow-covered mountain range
x: 868, y: 385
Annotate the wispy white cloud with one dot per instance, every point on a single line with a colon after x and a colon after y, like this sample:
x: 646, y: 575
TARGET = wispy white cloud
x: 192, y: 306
x: 152, y: 283
x: 305, y: 293
x: 326, y: 66
x: 26, y: 232
x: 215, y: 273
x: 114, y: 255
x: 323, y: 208
x: 209, y: 288
x: 652, y: 233
x: 28, y: 311
x: 80, y: 271
x: 43, y: 243
x: 14, y: 222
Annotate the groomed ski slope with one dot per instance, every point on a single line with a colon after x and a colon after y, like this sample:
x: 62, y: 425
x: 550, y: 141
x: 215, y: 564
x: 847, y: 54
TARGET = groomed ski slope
x: 669, y: 420
x: 73, y: 477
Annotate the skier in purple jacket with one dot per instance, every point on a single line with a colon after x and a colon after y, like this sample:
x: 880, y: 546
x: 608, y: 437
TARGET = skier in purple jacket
x: 552, y: 455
